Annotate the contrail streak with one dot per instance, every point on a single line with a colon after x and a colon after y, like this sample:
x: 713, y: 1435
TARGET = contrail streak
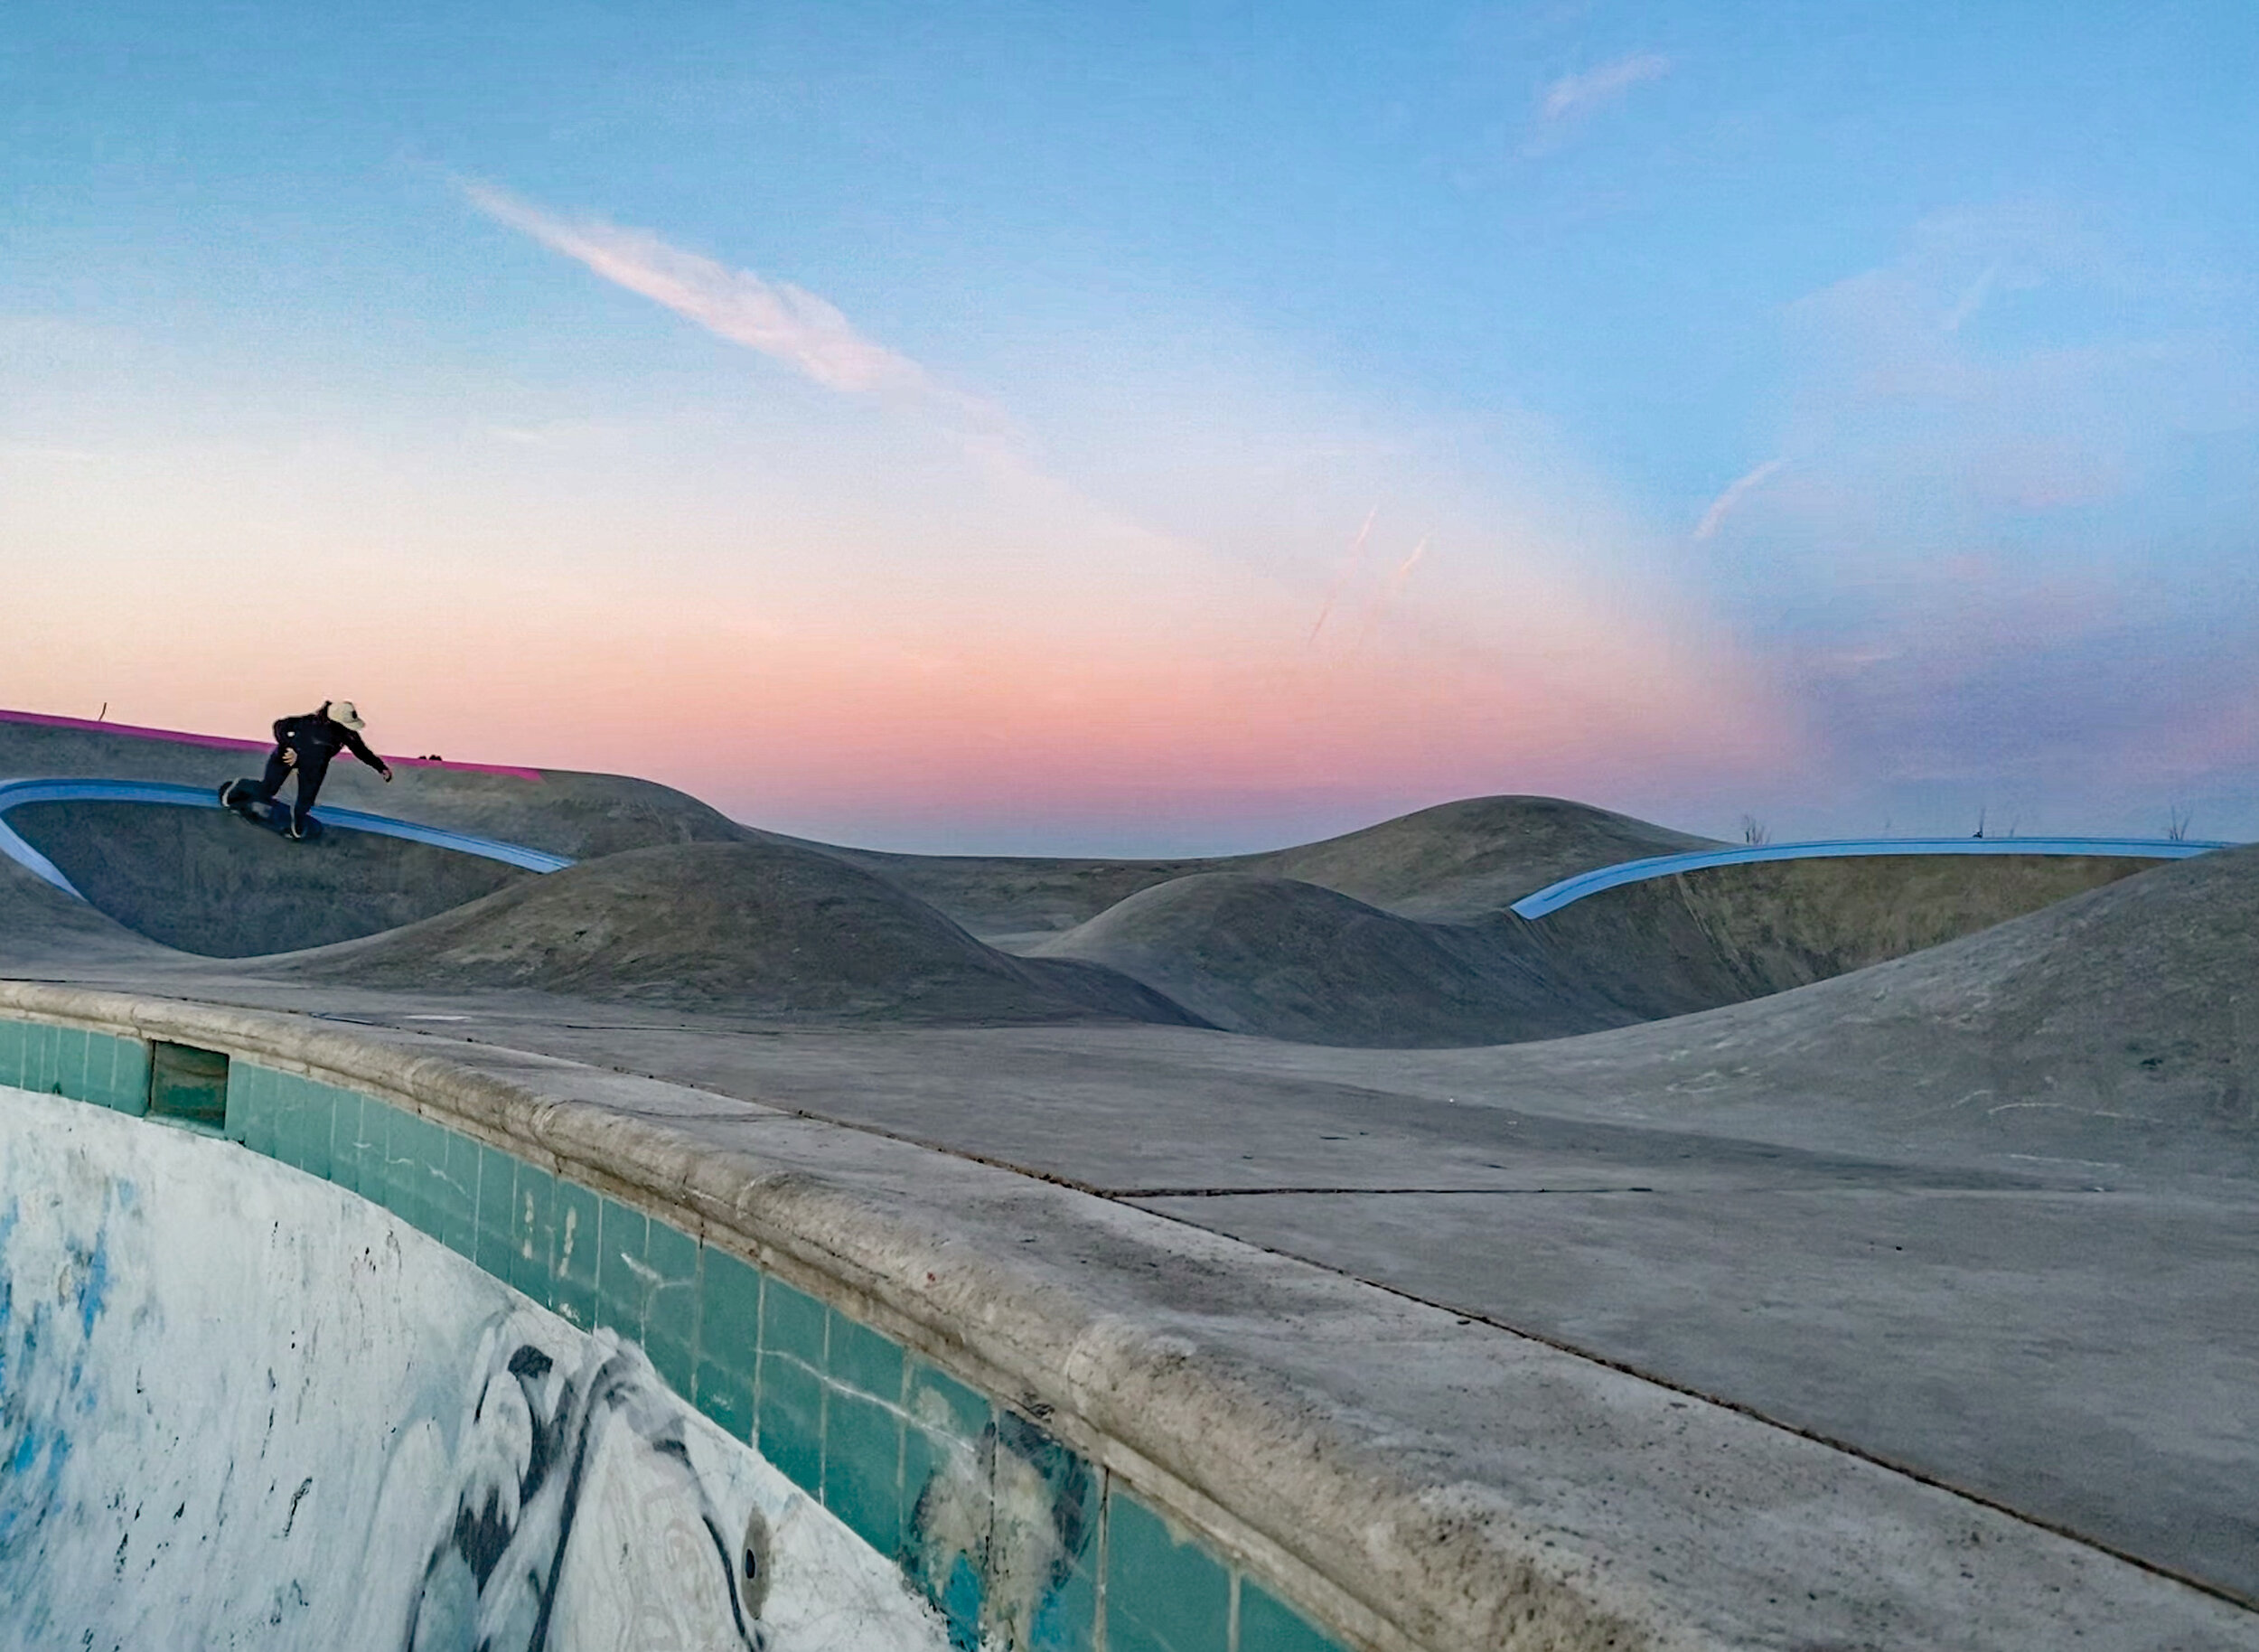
x: 1735, y: 493
x: 1388, y: 592
x: 1356, y: 561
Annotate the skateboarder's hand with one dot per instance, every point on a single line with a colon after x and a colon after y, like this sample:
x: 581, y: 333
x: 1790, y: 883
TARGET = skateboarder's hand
x: 387, y: 773
x: 290, y: 757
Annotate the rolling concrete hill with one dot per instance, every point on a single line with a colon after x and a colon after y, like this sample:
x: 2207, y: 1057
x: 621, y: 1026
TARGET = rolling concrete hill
x: 1290, y: 960
x: 754, y: 928
x: 1456, y: 861
x: 2109, y: 1026
x: 1460, y: 861
x: 1284, y: 959
x: 1722, y: 934
x: 1395, y: 935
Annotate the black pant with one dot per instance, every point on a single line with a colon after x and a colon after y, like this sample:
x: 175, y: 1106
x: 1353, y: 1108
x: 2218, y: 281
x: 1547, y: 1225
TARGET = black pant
x: 310, y: 772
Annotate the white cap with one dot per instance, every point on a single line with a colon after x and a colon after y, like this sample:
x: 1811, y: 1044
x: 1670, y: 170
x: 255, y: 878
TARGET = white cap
x: 344, y: 711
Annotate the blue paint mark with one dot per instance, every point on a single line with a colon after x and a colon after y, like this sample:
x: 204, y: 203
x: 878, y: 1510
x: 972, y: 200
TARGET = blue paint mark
x: 94, y: 1282
x: 8, y: 1220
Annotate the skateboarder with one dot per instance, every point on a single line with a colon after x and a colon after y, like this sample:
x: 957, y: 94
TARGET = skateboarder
x: 303, y: 745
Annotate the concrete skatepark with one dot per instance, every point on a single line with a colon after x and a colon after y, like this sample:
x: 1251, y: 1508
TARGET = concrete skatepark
x: 1828, y: 1251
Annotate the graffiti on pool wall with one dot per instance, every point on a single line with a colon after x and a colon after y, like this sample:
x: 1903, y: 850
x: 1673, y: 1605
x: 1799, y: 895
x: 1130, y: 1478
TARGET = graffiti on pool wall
x: 998, y: 1529
x: 577, y: 1517
x: 241, y: 1407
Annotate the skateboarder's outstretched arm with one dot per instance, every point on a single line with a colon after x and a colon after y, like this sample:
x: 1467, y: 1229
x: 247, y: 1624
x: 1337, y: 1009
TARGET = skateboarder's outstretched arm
x: 359, y: 748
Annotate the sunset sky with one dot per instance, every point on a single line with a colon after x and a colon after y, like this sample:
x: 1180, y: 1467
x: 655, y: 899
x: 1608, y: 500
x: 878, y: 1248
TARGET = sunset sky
x: 1156, y: 428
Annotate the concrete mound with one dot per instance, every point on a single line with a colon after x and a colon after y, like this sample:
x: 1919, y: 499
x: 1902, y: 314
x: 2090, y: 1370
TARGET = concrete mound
x: 2118, y: 1027
x: 753, y: 927
x: 1724, y: 934
x: 1472, y: 858
x: 203, y: 881
x: 1289, y: 959
x: 2129, y: 1011
x: 1284, y: 957
x: 1450, y: 863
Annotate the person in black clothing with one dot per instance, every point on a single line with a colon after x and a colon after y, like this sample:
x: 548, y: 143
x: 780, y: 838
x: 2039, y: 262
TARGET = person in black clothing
x: 303, y: 745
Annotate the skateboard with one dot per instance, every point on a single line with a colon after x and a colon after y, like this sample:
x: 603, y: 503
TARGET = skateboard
x: 240, y: 798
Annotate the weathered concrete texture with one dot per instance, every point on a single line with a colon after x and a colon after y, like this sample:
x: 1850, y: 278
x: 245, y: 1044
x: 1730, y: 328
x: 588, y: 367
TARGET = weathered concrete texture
x: 241, y: 1408
x: 1285, y: 959
x: 765, y: 928
x: 1394, y: 935
x: 1289, y: 960
x: 1420, y: 1478
x: 1724, y: 934
x: 1453, y: 862
x: 204, y: 881
x: 40, y: 924
x: 1975, y: 1314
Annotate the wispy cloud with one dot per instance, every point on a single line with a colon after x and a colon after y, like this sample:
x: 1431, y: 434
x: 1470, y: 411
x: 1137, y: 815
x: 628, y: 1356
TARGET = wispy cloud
x: 785, y: 323
x: 1739, y: 489
x: 1972, y: 300
x: 1572, y: 98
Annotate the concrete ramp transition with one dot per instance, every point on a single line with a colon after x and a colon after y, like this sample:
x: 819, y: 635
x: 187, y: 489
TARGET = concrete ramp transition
x: 167, y: 861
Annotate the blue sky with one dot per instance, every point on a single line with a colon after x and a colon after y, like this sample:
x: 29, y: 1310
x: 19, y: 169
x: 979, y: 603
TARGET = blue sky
x: 1170, y: 427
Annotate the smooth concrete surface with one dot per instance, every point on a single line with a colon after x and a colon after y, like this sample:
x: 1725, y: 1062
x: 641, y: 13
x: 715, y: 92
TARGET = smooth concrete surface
x: 1467, y: 1486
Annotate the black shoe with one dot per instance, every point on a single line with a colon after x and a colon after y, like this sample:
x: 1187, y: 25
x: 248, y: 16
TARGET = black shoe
x: 295, y: 830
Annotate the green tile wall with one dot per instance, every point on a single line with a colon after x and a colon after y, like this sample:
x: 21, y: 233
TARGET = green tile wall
x: 897, y: 1449
x: 86, y: 1066
x: 1164, y: 1592
x: 494, y: 1249
x: 622, y: 1236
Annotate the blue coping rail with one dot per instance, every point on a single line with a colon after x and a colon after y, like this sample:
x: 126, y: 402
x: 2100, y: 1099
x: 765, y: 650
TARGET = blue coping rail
x: 1552, y: 897
x: 13, y: 793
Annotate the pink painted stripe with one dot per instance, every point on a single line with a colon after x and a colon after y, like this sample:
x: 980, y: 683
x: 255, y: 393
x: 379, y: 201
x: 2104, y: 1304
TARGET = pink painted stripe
x: 225, y: 743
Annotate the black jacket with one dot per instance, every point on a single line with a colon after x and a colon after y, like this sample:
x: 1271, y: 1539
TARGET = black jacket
x: 316, y: 737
